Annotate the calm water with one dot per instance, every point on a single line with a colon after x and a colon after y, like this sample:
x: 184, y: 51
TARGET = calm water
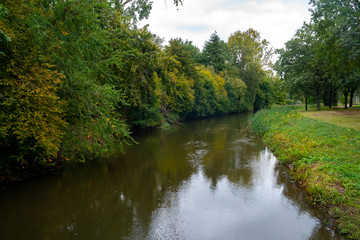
x: 207, y: 179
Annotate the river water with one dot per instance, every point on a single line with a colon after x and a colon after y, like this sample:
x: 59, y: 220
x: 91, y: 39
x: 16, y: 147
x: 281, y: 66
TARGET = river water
x: 207, y: 179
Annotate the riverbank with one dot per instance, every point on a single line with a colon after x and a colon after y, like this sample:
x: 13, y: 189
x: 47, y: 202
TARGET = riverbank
x: 324, y: 159
x: 20, y: 173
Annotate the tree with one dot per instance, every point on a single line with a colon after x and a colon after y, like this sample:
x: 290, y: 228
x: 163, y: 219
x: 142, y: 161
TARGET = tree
x: 339, y: 20
x: 56, y: 63
x: 182, y: 53
x: 3, y: 36
x: 250, y: 55
x: 195, y: 51
x: 31, y: 113
x: 300, y: 68
x: 136, y: 10
x: 135, y: 62
x: 236, y: 89
x: 214, y: 53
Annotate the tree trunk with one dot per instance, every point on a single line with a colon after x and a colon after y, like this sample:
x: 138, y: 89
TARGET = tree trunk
x: 306, y: 108
x: 351, y: 98
x: 346, y: 94
x: 330, y: 102
x: 318, y: 100
x: 334, y: 99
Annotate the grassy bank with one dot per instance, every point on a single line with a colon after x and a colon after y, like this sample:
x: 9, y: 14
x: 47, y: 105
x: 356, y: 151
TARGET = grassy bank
x: 325, y: 161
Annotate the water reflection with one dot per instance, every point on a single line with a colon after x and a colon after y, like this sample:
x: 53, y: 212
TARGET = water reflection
x: 202, y: 180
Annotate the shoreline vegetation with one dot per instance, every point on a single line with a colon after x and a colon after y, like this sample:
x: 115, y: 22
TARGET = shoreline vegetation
x: 323, y: 158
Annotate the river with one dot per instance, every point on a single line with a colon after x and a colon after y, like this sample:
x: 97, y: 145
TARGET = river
x: 207, y: 179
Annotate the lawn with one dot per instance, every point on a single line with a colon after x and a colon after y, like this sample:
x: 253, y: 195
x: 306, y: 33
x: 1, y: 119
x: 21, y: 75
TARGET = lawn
x: 349, y: 118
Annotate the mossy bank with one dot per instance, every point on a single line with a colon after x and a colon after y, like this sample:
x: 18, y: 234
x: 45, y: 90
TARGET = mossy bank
x: 324, y: 159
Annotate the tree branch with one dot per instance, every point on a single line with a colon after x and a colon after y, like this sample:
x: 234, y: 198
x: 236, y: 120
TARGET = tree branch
x: 126, y: 2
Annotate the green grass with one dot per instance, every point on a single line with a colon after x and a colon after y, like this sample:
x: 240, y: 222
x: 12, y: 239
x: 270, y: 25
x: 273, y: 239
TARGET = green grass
x: 349, y: 118
x: 325, y: 159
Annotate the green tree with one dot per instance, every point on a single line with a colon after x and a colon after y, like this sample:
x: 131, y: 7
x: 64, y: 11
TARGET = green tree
x: 31, y: 113
x: 195, y: 51
x: 80, y: 39
x: 339, y: 20
x: 135, y: 59
x: 176, y: 70
x: 136, y: 10
x: 214, y: 53
x: 236, y: 89
x: 250, y: 55
x: 183, y: 54
x: 67, y: 43
x: 3, y: 36
x: 300, y: 67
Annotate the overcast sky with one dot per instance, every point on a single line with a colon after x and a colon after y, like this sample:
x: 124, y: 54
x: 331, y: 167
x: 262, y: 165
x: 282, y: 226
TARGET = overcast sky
x: 196, y: 20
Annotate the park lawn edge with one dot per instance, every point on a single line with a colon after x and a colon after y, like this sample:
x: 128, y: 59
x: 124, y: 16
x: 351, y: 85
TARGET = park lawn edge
x: 324, y: 161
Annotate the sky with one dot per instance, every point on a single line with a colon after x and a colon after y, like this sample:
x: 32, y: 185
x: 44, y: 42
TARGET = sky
x: 195, y: 20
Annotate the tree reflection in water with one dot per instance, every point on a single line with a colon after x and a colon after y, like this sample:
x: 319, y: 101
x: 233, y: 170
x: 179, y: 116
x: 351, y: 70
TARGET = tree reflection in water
x: 207, y: 179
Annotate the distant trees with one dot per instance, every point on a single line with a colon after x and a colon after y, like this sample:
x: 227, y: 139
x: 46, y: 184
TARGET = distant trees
x: 322, y: 59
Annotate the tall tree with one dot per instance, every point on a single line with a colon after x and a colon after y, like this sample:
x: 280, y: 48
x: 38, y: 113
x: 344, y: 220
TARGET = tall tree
x: 181, y: 52
x: 251, y: 56
x: 298, y: 65
x: 215, y: 52
x: 31, y: 113
x: 339, y: 20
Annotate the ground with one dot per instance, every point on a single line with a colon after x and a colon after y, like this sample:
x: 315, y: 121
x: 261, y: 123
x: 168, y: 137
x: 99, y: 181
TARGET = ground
x: 338, y: 116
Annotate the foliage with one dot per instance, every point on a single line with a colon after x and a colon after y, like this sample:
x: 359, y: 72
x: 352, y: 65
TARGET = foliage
x: 176, y: 72
x: 134, y: 9
x: 210, y: 95
x: 179, y: 98
x: 214, y: 53
x: 3, y: 36
x: 279, y: 93
x: 52, y: 43
x: 77, y: 76
x: 325, y: 161
x: 69, y: 27
x: 183, y: 56
x: 236, y: 89
x: 299, y: 67
x: 263, y: 96
x: 322, y: 59
x: 134, y: 66
x: 250, y: 55
x: 31, y: 113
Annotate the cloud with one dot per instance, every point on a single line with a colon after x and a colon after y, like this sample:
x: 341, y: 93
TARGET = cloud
x: 276, y: 20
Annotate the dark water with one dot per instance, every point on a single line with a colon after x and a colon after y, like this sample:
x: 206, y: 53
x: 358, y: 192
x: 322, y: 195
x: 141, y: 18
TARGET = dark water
x: 208, y: 179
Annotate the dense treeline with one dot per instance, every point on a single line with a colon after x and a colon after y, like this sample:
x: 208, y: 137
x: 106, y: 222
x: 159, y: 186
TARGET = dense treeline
x: 322, y: 60
x: 77, y: 76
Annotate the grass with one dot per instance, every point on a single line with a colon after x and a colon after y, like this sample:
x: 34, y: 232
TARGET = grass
x: 324, y: 157
x: 340, y: 117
